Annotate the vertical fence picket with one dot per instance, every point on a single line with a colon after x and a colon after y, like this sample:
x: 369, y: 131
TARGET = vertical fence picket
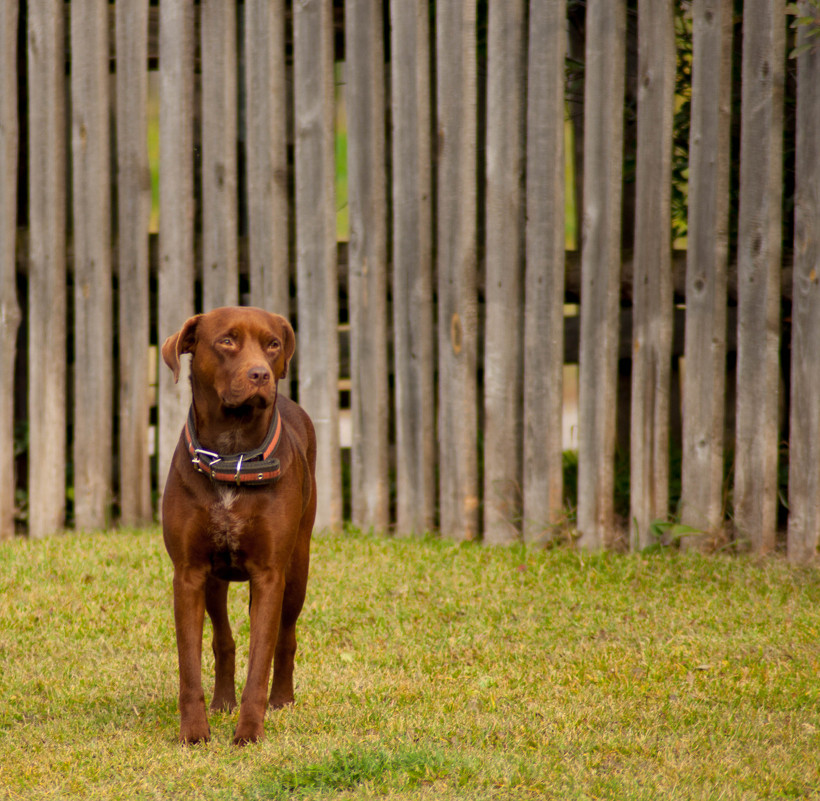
x: 600, y: 268
x: 367, y: 268
x: 9, y: 307
x: 804, y: 428
x: 220, y: 209
x: 134, y: 210
x: 704, y: 379
x: 504, y: 331
x: 652, y: 315
x: 544, y: 283
x: 457, y: 262
x: 267, y: 158
x: 93, y: 333
x: 176, y: 206
x: 316, y: 267
x: 414, y: 346
x: 758, y: 256
x: 47, y: 267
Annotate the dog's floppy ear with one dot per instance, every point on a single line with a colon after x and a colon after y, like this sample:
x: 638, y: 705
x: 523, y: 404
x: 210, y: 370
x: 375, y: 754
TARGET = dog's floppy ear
x: 288, y: 341
x: 181, y: 342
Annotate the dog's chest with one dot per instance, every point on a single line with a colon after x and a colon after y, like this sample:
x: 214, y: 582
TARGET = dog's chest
x: 226, y: 524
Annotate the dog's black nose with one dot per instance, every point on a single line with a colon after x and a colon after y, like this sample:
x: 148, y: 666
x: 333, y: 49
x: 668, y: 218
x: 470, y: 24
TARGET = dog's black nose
x: 259, y: 374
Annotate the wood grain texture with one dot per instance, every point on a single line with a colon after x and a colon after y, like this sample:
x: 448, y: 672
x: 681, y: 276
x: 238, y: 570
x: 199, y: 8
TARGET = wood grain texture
x: 413, y: 317
x: 504, y: 330
x: 804, y: 427
x: 544, y: 281
x: 758, y: 248
x: 652, y: 317
x: 367, y: 268
x: 457, y: 262
x: 47, y: 267
x: 9, y: 308
x: 600, y: 268
x: 316, y: 267
x: 706, y: 273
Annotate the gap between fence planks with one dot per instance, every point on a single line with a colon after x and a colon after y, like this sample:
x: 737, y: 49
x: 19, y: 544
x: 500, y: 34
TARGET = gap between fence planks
x: 134, y: 209
x: 47, y: 268
x: 544, y: 281
x: 220, y: 197
x: 457, y: 262
x: 9, y: 309
x: 93, y: 318
x: 176, y: 219
x: 367, y: 267
x: 414, y: 346
x: 600, y: 269
x: 504, y: 329
x: 652, y: 315
x: 758, y: 254
x: 316, y: 268
x: 702, y: 501
x: 804, y: 434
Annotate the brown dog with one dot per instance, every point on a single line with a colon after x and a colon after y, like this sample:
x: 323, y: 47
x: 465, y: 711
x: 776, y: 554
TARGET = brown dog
x: 239, y: 505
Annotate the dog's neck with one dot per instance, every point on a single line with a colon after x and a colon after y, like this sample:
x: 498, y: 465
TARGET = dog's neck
x: 231, y: 430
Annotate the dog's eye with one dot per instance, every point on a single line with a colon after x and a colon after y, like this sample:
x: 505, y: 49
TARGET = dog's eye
x: 226, y: 341
x: 273, y: 345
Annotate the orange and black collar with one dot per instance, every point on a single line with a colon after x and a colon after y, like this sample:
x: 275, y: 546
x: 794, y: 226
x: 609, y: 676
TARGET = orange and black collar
x: 258, y: 466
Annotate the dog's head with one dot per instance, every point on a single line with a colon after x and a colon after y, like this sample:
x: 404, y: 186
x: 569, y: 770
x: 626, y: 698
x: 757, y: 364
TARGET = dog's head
x: 239, y: 353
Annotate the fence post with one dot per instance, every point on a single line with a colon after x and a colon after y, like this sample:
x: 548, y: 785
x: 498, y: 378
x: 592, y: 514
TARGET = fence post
x: 804, y: 429
x: 652, y: 319
x: 9, y: 308
x: 414, y: 346
x: 176, y: 220
x: 93, y: 332
x: 704, y: 400
x: 267, y: 159
x: 758, y: 256
x: 504, y: 329
x: 134, y: 210
x: 457, y: 258
x: 600, y: 268
x: 316, y: 268
x: 47, y: 267
x: 220, y: 211
x: 544, y: 281
x: 367, y: 267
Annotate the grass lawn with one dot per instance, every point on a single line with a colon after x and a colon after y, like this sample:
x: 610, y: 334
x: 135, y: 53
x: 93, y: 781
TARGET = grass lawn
x: 426, y: 669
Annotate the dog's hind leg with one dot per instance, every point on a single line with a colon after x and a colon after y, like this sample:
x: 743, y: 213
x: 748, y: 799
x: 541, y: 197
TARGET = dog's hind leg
x: 216, y: 603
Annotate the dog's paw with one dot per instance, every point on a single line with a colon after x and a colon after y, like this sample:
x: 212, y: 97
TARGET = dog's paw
x: 191, y: 735
x: 225, y: 704
x: 279, y: 701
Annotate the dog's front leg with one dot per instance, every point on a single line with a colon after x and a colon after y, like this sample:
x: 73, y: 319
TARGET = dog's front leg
x: 266, y: 608
x: 189, y: 614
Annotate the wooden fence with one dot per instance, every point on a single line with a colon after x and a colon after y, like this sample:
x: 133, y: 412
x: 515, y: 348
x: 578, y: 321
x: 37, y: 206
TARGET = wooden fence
x: 456, y: 274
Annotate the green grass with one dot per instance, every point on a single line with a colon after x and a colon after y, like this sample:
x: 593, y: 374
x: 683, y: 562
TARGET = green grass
x: 425, y: 669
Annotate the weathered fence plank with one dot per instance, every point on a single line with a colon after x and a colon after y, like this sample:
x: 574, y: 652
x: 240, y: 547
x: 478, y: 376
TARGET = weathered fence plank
x: 47, y: 267
x: 804, y: 428
x: 134, y: 210
x: 758, y: 253
x: 316, y: 267
x: 704, y: 381
x: 176, y: 201
x: 504, y: 331
x: 544, y: 283
x: 220, y: 202
x: 414, y: 346
x: 600, y: 268
x: 652, y: 316
x: 93, y: 319
x: 267, y: 159
x: 9, y: 307
x: 457, y: 261
x: 367, y: 265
